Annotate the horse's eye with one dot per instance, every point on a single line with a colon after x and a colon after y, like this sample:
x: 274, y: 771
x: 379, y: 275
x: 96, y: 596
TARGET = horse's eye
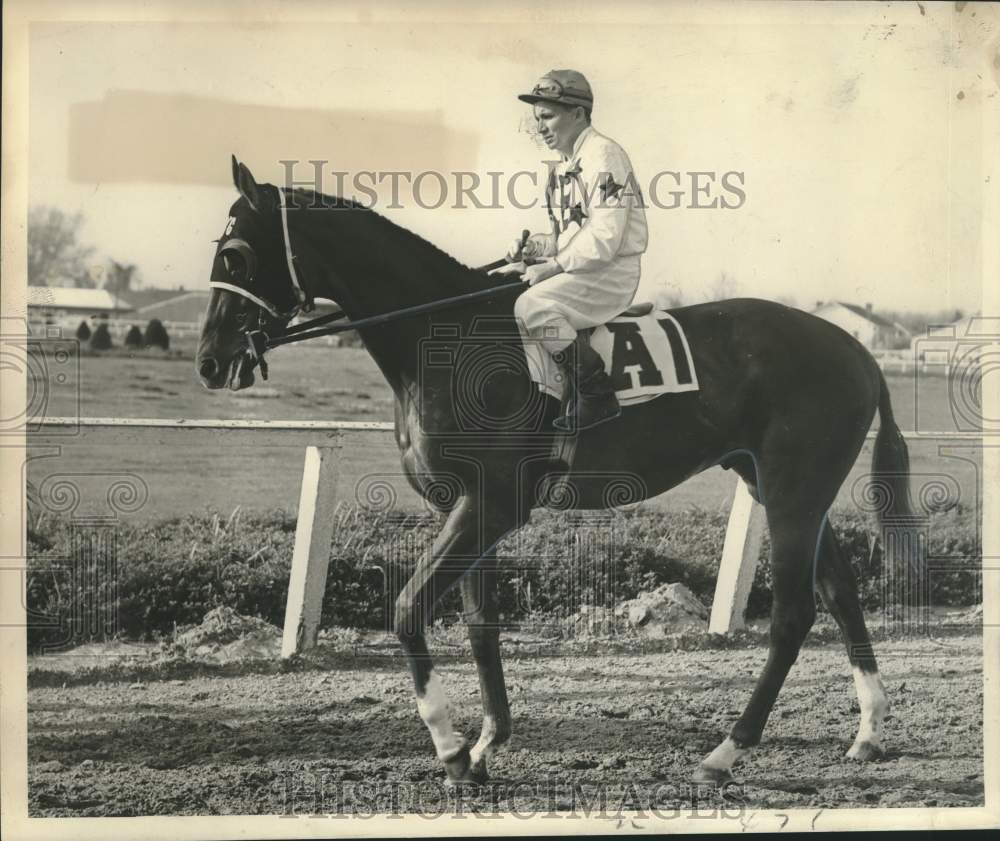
x: 241, y: 319
x: 236, y: 266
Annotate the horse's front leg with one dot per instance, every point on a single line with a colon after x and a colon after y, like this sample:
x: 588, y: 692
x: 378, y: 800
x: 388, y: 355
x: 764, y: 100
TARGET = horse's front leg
x: 482, y: 614
x: 470, y: 532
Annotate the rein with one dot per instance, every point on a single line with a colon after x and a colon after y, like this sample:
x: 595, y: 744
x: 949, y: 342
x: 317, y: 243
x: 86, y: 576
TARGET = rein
x: 259, y: 340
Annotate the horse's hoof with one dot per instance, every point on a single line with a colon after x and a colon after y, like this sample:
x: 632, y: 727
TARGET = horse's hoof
x: 474, y: 778
x: 478, y: 773
x: 457, y: 767
x: 461, y: 771
x: 716, y: 776
x: 865, y: 752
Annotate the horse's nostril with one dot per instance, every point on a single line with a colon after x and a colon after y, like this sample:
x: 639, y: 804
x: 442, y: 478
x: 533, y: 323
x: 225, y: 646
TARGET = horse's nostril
x: 208, y: 367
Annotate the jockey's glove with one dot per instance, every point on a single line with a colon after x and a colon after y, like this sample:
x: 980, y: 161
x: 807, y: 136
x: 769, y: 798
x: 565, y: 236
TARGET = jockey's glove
x: 536, y: 247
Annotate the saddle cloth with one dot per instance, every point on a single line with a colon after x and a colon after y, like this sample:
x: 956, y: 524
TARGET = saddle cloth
x: 645, y: 354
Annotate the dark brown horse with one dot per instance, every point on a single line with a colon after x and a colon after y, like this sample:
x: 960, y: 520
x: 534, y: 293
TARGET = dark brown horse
x: 785, y: 400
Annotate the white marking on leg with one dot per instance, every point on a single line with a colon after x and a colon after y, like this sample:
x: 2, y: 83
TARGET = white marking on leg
x: 483, y: 749
x: 874, y: 707
x: 433, y: 709
x: 724, y: 756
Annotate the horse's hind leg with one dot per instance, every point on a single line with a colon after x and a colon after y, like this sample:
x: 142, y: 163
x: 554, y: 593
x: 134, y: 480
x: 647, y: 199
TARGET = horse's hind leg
x: 793, y: 548
x: 482, y: 614
x: 836, y: 585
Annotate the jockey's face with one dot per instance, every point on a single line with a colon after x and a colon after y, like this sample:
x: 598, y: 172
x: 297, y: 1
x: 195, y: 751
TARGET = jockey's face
x: 559, y: 125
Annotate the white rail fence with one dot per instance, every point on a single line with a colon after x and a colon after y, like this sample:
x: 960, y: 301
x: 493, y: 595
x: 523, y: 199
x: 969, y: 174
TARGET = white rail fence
x: 117, y: 327
x: 324, y: 442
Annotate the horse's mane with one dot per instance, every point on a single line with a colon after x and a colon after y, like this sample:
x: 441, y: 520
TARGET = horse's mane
x: 406, y: 246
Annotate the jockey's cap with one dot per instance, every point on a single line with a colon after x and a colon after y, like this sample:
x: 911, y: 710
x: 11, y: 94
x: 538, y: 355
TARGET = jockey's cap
x: 565, y: 87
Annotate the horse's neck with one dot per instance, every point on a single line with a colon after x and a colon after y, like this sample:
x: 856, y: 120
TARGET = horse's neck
x: 368, y: 274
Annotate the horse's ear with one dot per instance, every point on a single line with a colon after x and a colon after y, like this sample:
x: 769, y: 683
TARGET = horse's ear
x: 248, y: 187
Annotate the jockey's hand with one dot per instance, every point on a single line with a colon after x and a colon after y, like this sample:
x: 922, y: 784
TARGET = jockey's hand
x: 541, y: 271
x: 514, y: 253
x: 524, y: 247
x: 532, y: 249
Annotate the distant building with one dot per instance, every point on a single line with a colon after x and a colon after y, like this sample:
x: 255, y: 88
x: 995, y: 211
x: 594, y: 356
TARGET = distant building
x: 873, y: 331
x: 170, y: 305
x: 974, y: 328
x: 962, y: 340
x: 64, y: 303
x: 142, y: 298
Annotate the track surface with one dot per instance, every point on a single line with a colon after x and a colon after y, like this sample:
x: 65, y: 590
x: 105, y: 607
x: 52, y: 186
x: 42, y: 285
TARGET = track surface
x: 630, y: 726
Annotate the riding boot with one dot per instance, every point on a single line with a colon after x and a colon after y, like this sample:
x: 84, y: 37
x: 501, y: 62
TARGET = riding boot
x: 588, y: 395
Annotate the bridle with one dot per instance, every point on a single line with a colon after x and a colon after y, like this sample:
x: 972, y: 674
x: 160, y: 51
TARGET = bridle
x: 260, y: 340
x: 240, y: 247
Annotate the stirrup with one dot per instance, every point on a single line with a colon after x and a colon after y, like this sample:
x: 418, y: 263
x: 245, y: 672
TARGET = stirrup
x: 586, y: 414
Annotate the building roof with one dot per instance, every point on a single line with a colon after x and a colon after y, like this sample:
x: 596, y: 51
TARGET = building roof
x: 186, y: 307
x: 142, y: 298
x: 866, y: 314
x: 73, y: 298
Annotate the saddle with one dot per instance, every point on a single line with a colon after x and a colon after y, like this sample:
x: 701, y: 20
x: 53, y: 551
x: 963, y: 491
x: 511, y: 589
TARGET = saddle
x: 636, y: 310
x: 649, y: 364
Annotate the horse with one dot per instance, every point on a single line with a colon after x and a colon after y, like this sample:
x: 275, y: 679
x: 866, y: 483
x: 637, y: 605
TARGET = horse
x: 785, y: 400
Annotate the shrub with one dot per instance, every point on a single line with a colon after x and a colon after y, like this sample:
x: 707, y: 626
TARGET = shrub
x: 101, y: 339
x: 156, y: 335
x: 134, y: 337
x: 175, y: 571
x: 83, y: 331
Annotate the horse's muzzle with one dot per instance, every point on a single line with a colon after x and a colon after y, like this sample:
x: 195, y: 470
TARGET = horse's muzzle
x: 237, y: 375
x: 208, y: 368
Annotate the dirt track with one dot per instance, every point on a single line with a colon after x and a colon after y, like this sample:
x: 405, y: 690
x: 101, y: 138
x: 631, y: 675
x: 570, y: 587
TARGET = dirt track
x: 634, y: 726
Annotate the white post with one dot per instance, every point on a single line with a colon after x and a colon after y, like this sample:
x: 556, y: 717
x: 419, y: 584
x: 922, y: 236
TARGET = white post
x: 744, y: 536
x: 311, y: 556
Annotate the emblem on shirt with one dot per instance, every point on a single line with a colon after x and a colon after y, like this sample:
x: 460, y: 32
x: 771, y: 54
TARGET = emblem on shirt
x: 571, y: 186
x: 569, y: 196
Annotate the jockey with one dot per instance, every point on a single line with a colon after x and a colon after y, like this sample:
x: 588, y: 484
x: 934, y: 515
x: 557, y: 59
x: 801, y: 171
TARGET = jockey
x: 590, y: 270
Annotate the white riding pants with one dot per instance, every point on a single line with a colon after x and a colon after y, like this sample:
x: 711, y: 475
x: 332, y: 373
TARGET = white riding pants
x: 551, y: 312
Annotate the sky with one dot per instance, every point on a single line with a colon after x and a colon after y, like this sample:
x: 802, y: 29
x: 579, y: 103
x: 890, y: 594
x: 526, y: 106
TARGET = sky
x: 859, y: 136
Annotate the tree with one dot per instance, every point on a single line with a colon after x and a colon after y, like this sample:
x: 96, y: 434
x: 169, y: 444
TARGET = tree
x: 83, y: 331
x: 119, y: 277
x: 918, y: 322
x: 55, y: 255
x: 788, y: 301
x: 134, y: 337
x: 101, y: 340
x: 156, y: 335
x: 669, y: 298
x: 725, y: 286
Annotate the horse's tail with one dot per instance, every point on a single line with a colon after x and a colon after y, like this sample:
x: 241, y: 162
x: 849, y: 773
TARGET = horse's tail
x: 890, y: 462
x: 891, y: 488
